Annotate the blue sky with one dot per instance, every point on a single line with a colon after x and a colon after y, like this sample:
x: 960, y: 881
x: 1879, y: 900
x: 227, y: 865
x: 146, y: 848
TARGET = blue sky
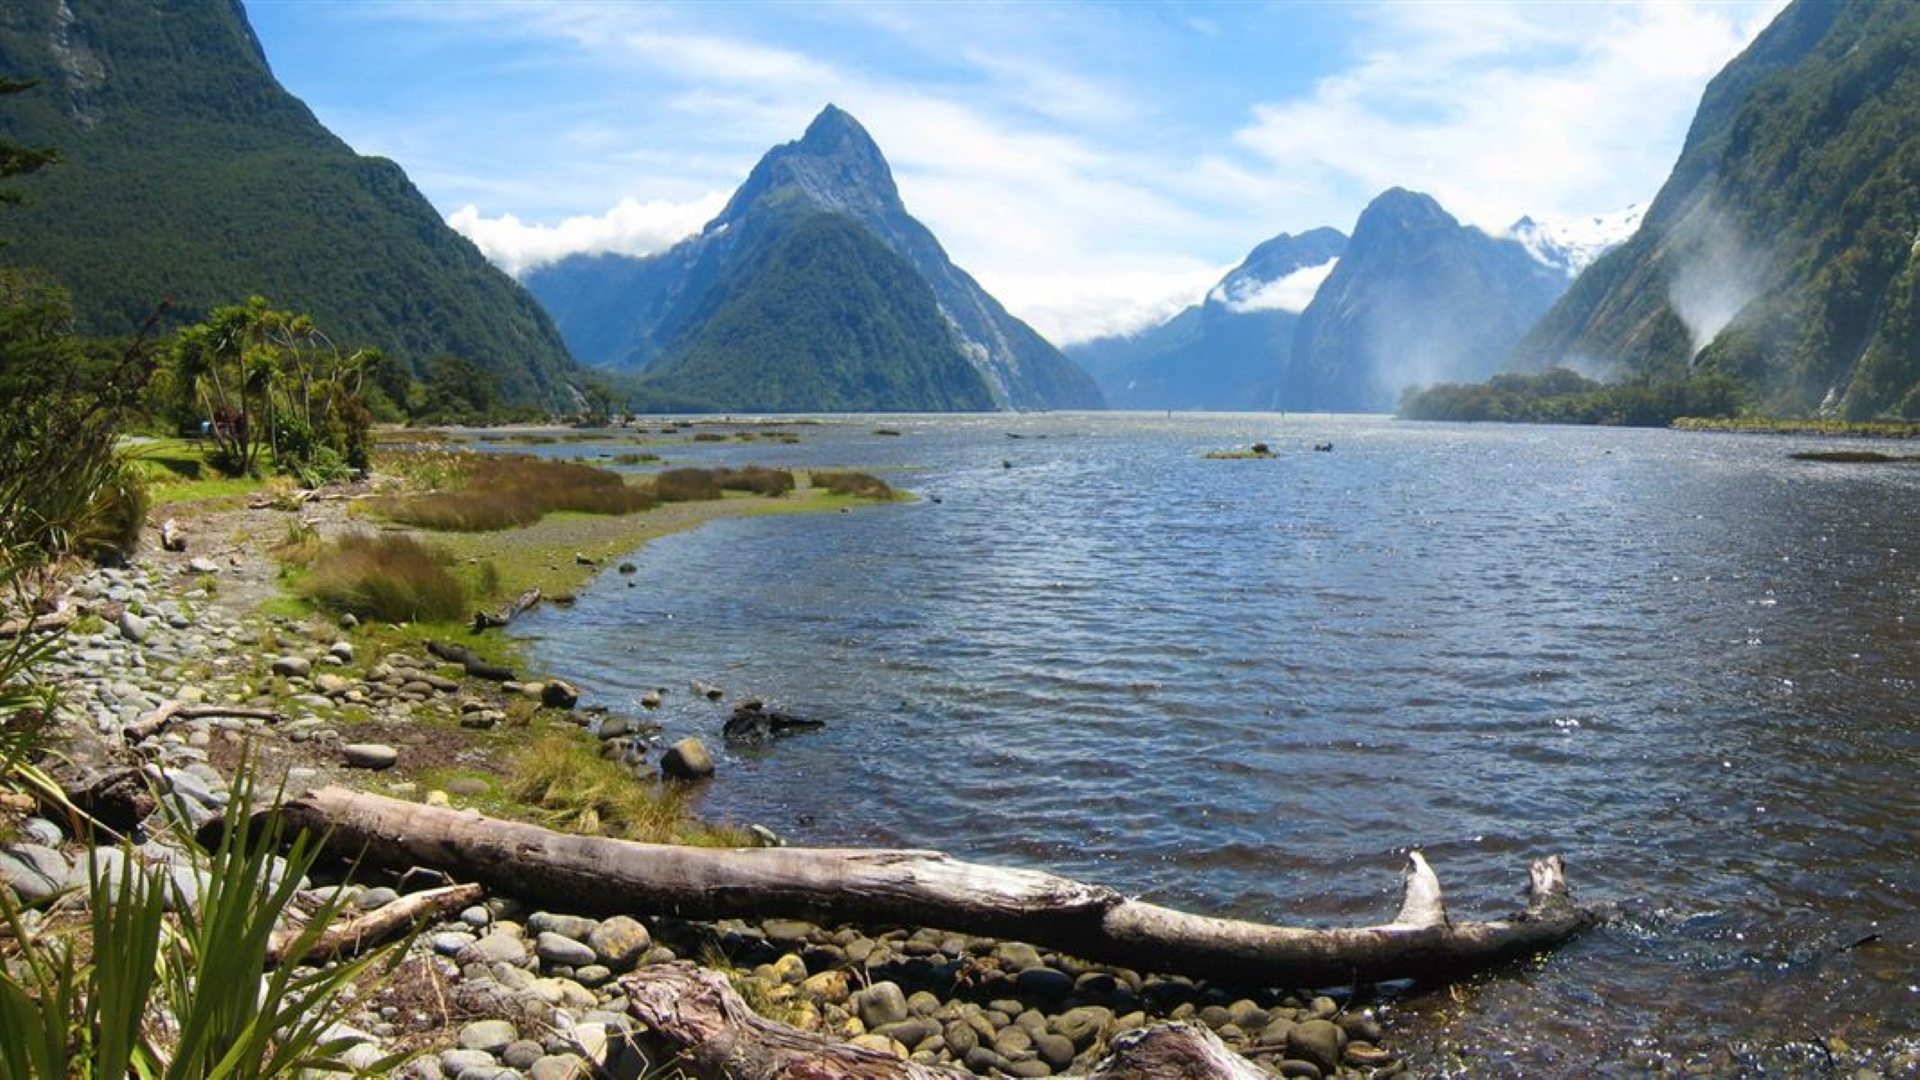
x: 1096, y: 166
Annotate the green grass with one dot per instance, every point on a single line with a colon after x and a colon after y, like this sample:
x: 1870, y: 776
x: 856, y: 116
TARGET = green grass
x: 177, y: 471
x: 562, y: 775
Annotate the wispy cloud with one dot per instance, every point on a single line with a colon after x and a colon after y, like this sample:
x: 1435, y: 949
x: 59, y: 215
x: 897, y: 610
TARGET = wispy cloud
x: 1500, y: 110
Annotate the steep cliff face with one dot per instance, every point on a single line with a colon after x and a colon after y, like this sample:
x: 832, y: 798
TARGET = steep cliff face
x: 189, y: 174
x: 1785, y: 247
x: 1416, y: 299
x: 646, y: 315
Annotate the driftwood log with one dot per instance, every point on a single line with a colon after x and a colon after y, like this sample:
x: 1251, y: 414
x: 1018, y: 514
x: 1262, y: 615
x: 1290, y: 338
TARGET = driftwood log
x: 348, y: 937
x: 526, y: 600
x: 156, y: 721
x: 924, y: 888
x: 716, y: 1036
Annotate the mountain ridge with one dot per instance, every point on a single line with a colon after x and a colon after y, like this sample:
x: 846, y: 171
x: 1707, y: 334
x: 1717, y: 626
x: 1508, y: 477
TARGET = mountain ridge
x: 835, y: 168
x: 190, y: 174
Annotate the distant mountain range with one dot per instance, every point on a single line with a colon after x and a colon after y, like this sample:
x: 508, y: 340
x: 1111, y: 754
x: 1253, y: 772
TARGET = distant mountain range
x: 814, y: 290
x: 1317, y: 322
x: 188, y: 174
x: 1785, y: 247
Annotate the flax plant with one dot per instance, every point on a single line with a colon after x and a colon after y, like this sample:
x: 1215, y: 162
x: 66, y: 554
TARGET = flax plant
x: 192, y: 995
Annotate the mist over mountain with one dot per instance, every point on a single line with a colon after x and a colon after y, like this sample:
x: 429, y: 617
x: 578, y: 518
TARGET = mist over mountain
x: 189, y: 174
x: 1229, y: 351
x: 739, y: 306
x: 1418, y: 298
x: 1782, y: 249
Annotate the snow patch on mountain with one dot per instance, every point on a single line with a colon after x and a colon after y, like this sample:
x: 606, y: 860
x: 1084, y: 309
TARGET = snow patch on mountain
x: 1572, y: 244
x: 1292, y: 292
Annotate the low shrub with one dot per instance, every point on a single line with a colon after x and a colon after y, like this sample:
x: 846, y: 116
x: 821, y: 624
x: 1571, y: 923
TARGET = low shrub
x: 388, y: 577
x: 856, y: 484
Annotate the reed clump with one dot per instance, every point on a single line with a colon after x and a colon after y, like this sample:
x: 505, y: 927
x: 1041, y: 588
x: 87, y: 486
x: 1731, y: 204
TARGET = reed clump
x: 388, y: 576
x: 488, y: 492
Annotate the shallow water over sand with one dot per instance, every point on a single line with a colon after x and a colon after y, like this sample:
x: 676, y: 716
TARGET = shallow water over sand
x: 1685, y: 662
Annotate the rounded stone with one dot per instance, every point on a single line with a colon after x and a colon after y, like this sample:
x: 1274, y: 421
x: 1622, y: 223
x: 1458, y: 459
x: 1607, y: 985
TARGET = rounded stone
x: 620, y: 942
x: 1318, y: 1041
x: 369, y: 755
x: 881, y: 1004
x: 522, y: 1053
x: 488, y: 1036
x: 292, y: 666
x: 560, y: 949
x: 687, y: 759
x: 1044, y: 983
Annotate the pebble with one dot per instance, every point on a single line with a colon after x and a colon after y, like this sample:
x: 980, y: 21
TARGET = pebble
x: 619, y: 942
x: 487, y: 1036
x: 292, y: 666
x: 560, y: 949
x: 369, y: 755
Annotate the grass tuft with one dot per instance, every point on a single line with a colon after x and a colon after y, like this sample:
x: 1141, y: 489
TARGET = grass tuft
x: 389, y: 577
x: 579, y: 791
x: 496, y: 492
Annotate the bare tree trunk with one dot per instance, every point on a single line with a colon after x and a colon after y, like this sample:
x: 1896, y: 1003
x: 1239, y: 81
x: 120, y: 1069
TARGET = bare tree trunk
x: 717, y: 1036
x: 924, y: 888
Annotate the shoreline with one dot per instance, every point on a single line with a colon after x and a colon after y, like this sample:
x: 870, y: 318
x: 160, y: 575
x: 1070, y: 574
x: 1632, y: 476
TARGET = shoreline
x: 209, y: 625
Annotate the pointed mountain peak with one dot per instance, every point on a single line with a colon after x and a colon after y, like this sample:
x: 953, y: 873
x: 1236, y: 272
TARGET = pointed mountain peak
x: 834, y: 128
x: 836, y: 166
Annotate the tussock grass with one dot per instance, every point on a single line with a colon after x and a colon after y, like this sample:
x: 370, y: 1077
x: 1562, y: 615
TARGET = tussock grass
x: 578, y: 791
x: 388, y: 577
x: 686, y: 485
x: 859, y: 485
x: 498, y: 492
x: 757, y: 479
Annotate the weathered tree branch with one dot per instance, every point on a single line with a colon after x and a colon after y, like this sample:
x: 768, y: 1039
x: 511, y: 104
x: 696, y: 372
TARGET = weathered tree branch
x: 351, y: 936
x: 39, y: 624
x: 156, y: 721
x: 923, y: 888
x: 718, y: 1037
x: 525, y: 601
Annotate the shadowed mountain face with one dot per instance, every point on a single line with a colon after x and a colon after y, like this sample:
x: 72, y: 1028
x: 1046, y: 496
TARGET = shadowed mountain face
x: 189, y: 174
x: 1227, y: 352
x: 866, y: 347
x: 1418, y: 298
x: 1320, y: 323
x: 1782, y: 249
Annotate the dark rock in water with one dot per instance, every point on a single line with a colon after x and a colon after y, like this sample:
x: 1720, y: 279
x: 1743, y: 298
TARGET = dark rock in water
x: 1318, y: 1041
x: 1324, y: 448
x: 706, y: 690
x: 559, y: 695
x: 687, y: 759
x: 752, y: 719
x: 1262, y: 448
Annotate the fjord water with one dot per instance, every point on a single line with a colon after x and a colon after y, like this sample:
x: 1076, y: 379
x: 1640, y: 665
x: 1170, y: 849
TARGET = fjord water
x: 1683, y: 661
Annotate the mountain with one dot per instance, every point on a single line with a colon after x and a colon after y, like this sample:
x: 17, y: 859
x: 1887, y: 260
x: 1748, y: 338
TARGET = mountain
x: 1782, y: 249
x: 189, y: 174
x: 1573, y: 244
x: 1417, y: 298
x: 1227, y: 352
x: 713, y: 319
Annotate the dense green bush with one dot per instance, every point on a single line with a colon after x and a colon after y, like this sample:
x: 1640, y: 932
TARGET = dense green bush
x: 1560, y: 396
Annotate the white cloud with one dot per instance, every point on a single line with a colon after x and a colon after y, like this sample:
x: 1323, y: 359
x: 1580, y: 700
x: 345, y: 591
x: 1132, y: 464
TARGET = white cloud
x: 1500, y: 110
x: 1067, y: 308
x: 1288, y: 292
x: 629, y: 228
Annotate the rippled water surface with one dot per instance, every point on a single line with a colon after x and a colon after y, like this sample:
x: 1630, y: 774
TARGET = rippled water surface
x: 1686, y: 662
